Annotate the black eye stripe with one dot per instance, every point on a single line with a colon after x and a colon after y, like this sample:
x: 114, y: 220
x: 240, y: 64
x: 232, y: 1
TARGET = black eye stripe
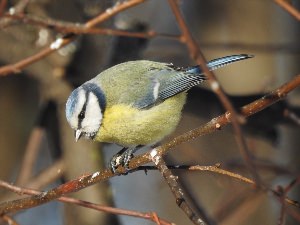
x: 81, y: 115
x: 90, y: 88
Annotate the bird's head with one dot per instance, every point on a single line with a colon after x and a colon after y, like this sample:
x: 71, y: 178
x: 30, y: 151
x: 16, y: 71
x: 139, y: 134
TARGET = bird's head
x: 84, y: 110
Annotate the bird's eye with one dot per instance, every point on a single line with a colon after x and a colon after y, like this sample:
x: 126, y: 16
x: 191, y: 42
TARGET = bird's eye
x: 81, y: 115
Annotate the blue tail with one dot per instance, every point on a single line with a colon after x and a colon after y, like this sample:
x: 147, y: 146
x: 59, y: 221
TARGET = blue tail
x: 217, y: 63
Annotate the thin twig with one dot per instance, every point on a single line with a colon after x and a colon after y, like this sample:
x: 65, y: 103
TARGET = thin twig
x: 216, y: 169
x: 177, y: 191
x: 30, y: 155
x: 9, y: 220
x: 21, y: 6
x: 294, y: 213
x: 61, y: 42
x: 47, y: 176
x: 212, y: 126
x: 289, y: 8
x: 98, y: 207
x: 18, y: 8
x: 282, y: 196
x: 281, y: 219
x: 3, y: 4
x: 119, y: 7
x: 292, y: 116
x: 198, y: 56
x: 67, y: 27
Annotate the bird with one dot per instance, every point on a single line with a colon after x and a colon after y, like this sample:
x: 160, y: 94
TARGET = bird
x: 135, y: 103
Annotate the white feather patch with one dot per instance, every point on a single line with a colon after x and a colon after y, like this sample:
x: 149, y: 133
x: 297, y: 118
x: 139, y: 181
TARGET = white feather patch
x: 156, y: 89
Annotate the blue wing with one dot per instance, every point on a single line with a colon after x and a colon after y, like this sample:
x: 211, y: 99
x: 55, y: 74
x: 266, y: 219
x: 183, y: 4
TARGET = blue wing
x: 189, y: 77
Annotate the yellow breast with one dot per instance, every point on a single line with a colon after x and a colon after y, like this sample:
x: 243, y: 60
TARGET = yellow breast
x: 128, y: 126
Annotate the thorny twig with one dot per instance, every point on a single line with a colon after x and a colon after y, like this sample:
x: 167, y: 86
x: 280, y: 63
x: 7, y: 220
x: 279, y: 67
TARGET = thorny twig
x: 214, y: 125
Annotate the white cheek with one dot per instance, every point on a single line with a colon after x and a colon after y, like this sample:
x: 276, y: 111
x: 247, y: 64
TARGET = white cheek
x: 93, y: 115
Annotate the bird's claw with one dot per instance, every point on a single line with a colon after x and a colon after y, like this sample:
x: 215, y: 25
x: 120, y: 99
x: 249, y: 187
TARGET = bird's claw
x: 122, y: 158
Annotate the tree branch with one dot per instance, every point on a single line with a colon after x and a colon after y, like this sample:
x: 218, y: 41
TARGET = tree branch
x: 289, y: 8
x: 198, y: 56
x: 214, y: 125
x: 61, y: 42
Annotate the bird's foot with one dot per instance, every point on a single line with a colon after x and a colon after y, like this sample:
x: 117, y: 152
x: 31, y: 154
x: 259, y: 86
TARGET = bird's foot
x: 122, y: 158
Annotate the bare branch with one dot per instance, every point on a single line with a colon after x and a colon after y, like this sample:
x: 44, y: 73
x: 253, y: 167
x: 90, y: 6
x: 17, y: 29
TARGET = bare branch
x: 289, y: 8
x: 3, y: 4
x: 102, y: 208
x: 177, y: 191
x: 61, y: 42
x: 292, y: 116
x: 198, y: 56
x: 30, y: 155
x: 9, y: 220
x: 88, y: 180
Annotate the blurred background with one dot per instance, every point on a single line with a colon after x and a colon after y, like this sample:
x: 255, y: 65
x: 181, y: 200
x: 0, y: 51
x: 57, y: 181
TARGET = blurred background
x: 37, y: 147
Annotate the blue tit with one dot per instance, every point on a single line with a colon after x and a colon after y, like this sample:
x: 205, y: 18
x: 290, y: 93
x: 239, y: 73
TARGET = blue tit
x: 135, y: 103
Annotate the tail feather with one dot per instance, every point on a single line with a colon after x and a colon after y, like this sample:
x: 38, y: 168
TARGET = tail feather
x: 193, y: 76
x: 217, y: 63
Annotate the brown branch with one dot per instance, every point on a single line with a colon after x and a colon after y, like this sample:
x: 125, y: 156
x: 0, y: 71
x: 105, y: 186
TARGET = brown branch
x: 198, y: 56
x: 3, y: 4
x: 47, y: 176
x: 212, y: 126
x: 16, y: 67
x: 289, y: 8
x: 59, y: 43
x: 30, y: 155
x: 282, y: 193
x: 294, y: 213
x: 281, y: 219
x: 216, y: 169
x: 18, y: 8
x: 44, y: 178
x: 176, y: 190
x: 118, y: 7
x: 9, y: 220
x: 98, y: 207
x: 21, y: 5
x: 67, y: 27
x: 292, y: 184
x: 292, y: 116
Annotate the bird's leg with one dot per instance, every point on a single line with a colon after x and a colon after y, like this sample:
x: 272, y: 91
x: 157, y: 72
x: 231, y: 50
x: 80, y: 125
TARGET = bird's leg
x: 116, y: 160
x: 123, y: 158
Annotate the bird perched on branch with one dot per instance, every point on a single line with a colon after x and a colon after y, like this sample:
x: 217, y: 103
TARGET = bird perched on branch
x: 135, y: 103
